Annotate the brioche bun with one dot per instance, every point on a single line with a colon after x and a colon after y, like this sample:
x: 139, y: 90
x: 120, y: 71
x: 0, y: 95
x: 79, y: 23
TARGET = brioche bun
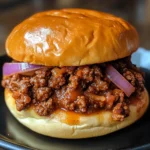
x: 71, y: 125
x: 71, y: 37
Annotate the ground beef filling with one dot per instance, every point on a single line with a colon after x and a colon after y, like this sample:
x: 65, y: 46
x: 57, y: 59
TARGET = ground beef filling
x: 83, y: 89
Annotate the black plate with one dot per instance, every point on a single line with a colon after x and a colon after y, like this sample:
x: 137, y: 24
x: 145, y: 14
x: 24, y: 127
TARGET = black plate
x: 15, y: 136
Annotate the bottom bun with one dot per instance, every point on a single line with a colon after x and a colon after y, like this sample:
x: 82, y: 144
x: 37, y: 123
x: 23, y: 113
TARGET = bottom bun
x: 70, y: 125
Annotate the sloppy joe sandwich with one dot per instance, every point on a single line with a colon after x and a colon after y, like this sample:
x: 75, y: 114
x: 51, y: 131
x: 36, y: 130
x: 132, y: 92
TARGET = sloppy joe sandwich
x: 72, y: 75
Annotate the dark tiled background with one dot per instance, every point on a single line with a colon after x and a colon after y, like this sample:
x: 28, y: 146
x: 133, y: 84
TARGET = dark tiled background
x: 136, y: 12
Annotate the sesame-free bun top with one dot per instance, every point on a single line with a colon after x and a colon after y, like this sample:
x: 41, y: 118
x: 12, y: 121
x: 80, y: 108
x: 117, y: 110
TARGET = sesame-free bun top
x: 71, y: 37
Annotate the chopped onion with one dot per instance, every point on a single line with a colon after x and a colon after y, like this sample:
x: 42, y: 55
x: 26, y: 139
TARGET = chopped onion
x: 119, y: 80
x: 12, y: 68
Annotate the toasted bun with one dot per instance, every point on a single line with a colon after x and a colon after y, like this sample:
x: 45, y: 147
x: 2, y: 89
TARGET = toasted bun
x: 71, y: 125
x: 71, y: 37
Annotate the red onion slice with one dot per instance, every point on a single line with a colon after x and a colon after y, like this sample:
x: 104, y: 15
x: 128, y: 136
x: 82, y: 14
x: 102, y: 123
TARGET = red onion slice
x: 12, y: 68
x: 119, y: 80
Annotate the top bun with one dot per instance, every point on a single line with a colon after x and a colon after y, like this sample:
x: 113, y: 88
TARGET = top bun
x: 71, y: 37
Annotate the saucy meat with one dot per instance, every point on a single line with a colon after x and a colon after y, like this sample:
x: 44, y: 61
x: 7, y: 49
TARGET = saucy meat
x: 83, y: 89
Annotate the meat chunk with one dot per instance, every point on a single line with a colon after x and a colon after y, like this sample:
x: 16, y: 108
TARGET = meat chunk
x: 57, y: 79
x: 119, y: 95
x: 44, y: 108
x: 129, y: 76
x: 98, y: 85
x: 37, y: 82
x: 139, y: 81
x: 40, y: 79
x: 120, y: 111
x: 42, y: 94
x: 110, y: 99
x: 85, y: 73
x: 98, y: 100
x: 81, y: 104
x: 73, y: 82
x: 22, y: 101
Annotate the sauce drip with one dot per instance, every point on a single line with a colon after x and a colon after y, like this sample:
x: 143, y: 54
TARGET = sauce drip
x: 68, y: 117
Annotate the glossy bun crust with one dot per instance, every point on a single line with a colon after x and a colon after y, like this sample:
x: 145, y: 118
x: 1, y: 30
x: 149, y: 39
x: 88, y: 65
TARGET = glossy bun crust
x: 71, y: 37
x: 71, y: 125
